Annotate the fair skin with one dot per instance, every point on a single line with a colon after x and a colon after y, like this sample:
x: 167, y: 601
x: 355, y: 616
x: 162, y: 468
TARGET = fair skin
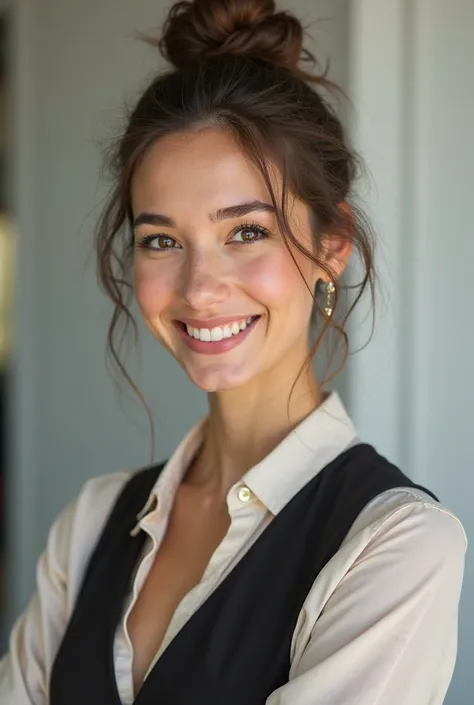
x: 197, y: 263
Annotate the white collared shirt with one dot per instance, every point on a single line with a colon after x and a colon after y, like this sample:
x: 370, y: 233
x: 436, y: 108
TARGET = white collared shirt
x: 378, y: 627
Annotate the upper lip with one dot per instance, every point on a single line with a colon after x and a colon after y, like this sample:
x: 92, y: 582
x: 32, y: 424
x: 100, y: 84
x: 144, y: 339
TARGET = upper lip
x: 214, y: 322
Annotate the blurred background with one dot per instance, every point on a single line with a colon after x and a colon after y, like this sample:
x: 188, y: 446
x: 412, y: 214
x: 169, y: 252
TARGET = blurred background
x: 66, y: 69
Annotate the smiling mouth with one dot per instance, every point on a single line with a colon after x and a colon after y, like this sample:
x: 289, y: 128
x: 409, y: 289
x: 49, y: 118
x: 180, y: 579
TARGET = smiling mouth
x: 218, y: 333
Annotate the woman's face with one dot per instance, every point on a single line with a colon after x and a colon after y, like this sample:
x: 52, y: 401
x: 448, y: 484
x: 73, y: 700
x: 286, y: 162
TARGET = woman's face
x: 214, y: 279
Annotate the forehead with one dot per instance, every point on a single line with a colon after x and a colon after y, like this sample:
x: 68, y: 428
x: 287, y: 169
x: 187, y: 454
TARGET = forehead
x: 202, y: 169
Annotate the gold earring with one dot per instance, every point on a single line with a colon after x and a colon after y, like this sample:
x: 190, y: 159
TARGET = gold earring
x: 330, y: 299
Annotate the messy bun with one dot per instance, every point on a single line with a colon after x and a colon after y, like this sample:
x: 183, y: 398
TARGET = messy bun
x: 205, y: 29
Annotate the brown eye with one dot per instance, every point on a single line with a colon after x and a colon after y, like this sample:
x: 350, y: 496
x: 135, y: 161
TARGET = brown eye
x: 157, y: 242
x: 248, y: 234
x: 164, y: 242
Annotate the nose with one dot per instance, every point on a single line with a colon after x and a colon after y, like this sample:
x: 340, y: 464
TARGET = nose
x: 205, y: 281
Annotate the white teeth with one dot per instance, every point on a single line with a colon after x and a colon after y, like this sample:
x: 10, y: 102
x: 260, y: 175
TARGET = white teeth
x: 218, y: 333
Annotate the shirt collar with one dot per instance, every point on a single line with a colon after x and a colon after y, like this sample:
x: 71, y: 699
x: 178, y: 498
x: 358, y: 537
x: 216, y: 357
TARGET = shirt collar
x: 313, y: 444
x: 169, y: 479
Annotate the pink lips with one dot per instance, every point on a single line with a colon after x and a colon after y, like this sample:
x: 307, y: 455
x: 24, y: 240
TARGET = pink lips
x: 216, y: 347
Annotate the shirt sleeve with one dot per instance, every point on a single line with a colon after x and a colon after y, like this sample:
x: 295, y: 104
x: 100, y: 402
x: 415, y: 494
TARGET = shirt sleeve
x: 388, y: 633
x: 34, y: 641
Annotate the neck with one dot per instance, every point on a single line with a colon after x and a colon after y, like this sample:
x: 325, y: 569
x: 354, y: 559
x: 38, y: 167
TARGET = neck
x: 245, y: 424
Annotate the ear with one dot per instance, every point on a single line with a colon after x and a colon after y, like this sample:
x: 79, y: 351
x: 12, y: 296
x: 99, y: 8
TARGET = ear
x: 336, y: 248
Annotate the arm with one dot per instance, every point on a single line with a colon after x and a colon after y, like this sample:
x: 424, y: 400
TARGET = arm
x: 35, y: 639
x: 388, y: 633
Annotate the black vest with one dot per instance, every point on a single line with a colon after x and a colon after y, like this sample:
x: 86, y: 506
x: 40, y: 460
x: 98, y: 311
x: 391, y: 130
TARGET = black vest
x: 235, y: 650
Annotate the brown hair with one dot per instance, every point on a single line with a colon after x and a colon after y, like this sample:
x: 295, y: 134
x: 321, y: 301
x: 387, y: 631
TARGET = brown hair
x: 238, y: 64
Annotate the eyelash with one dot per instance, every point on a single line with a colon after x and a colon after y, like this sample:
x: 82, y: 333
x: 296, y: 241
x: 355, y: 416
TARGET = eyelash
x: 145, y: 241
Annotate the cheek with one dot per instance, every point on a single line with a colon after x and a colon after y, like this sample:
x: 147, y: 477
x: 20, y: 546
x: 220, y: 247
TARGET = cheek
x: 274, y: 280
x: 153, y: 285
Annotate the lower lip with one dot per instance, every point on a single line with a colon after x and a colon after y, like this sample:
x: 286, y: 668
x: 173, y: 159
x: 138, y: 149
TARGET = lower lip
x: 219, y: 346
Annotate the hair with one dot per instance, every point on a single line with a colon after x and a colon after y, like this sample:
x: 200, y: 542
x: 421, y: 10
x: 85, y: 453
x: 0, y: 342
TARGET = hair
x: 240, y: 65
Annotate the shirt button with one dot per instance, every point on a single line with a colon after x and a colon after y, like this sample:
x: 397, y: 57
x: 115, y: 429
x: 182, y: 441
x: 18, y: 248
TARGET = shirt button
x: 244, y: 494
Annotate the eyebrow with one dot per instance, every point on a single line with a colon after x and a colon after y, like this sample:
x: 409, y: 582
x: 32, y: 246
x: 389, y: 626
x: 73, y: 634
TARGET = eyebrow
x: 237, y: 211
x: 240, y: 210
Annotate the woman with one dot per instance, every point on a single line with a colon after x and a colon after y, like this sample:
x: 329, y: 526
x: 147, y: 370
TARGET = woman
x: 275, y: 558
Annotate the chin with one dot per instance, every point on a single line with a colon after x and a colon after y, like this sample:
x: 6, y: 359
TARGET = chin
x: 214, y: 381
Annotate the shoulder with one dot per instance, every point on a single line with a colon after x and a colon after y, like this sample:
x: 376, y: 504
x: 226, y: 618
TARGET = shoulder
x: 94, y: 503
x: 403, y: 548
x: 101, y: 492
x: 394, y: 587
x: 408, y: 520
x: 396, y: 505
x: 76, y: 531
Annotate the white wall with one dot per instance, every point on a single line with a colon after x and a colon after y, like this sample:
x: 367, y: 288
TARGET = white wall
x: 412, y: 390
x: 75, y: 61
